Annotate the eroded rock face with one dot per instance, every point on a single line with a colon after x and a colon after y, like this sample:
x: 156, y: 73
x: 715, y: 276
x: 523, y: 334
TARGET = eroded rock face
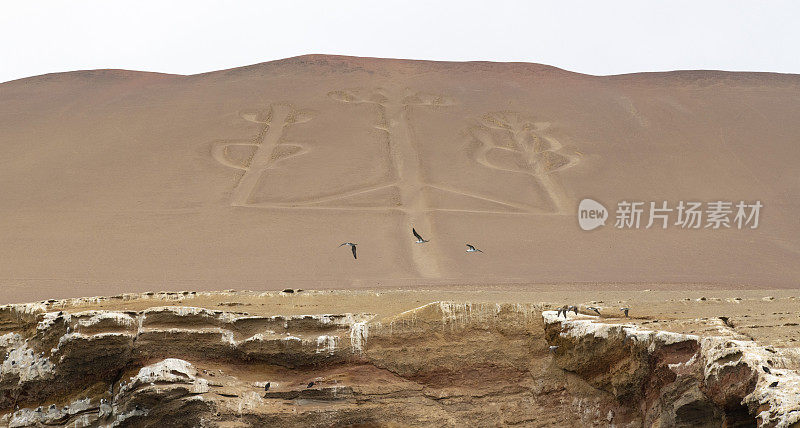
x: 488, y: 365
x: 443, y: 364
x: 168, y: 392
x: 54, y: 354
x: 679, y: 379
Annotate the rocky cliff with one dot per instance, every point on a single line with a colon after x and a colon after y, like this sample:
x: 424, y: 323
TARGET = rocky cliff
x: 675, y: 379
x: 442, y: 364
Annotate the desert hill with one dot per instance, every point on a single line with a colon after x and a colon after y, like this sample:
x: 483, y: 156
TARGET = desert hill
x: 250, y: 178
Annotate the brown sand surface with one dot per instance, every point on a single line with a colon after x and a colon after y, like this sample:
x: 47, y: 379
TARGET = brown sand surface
x: 116, y: 181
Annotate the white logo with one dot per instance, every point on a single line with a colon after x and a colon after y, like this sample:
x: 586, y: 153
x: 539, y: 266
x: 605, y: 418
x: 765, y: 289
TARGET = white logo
x: 591, y: 214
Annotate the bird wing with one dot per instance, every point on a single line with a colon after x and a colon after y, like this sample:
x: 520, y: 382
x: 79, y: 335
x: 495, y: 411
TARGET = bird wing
x: 354, y: 252
x: 414, y: 231
x: 470, y: 247
x: 343, y: 244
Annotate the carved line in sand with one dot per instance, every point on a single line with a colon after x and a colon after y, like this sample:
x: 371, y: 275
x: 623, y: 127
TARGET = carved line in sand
x: 270, y: 148
x: 525, y: 150
x: 535, y: 155
x: 403, y: 153
x: 394, y: 118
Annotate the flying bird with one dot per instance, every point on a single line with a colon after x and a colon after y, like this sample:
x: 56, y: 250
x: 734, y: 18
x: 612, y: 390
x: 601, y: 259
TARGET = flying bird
x: 625, y: 310
x: 766, y: 369
x: 419, y: 238
x: 351, y: 245
x: 310, y: 384
x: 266, y: 387
x: 471, y: 249
x: 573, y: 308
x: 592, y: 308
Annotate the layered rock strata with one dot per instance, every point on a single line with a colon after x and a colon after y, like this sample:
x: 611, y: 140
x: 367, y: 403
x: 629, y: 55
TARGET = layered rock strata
x: 442, y: 364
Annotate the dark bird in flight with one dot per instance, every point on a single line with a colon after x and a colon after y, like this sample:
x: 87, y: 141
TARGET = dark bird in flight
x: 766, y: 369
x: 773, y: 384
x: 419, y: 238
x: 592, y: 308
x: 310, y: 384
x: 573, y: 308
x: 471, y: 249
x: 625, y: 310
x: 351, y: 245
x: 266, y: 387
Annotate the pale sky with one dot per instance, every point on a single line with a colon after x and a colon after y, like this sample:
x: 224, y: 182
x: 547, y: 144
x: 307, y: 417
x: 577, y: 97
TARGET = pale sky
x: 595, y: 37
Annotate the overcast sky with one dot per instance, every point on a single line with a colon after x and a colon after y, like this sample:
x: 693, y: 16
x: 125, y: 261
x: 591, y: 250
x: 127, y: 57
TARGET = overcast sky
x: 596, y: 37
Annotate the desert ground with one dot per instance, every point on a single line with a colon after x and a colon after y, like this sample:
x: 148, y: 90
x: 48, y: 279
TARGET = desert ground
x: 120, y: 181
x: 769, y: 317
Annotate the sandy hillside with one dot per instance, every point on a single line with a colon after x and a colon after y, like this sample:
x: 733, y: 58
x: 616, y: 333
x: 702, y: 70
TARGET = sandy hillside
x: 250, y: 178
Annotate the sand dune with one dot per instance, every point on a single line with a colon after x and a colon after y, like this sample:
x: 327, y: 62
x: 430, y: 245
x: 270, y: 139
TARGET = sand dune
x: 250, y: 178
